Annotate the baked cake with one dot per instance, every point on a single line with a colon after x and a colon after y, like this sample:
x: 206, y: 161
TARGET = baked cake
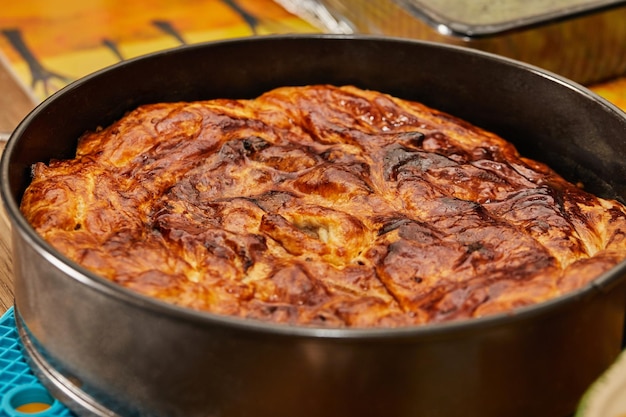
x: 321, y: 206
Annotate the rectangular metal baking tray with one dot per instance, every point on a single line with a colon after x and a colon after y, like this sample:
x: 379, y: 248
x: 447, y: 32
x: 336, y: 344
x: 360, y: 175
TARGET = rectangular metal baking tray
x: 583, y: 40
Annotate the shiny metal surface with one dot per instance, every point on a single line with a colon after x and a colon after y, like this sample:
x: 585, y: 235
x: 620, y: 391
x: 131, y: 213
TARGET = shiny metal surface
x: 583, y: 40
x: 137, y: 356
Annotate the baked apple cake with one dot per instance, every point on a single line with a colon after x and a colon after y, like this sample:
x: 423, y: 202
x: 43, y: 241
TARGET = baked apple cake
x: 321, y: 206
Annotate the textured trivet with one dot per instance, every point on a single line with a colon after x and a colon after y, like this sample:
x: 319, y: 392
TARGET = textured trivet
x: 21, y: 393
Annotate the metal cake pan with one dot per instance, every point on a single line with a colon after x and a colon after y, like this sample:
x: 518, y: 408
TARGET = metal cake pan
x: 106, y: 351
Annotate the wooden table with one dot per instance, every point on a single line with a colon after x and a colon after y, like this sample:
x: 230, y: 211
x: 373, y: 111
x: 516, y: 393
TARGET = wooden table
x: 15, y: 103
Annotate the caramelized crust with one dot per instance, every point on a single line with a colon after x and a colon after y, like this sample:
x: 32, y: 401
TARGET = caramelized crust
x: 323, y: 206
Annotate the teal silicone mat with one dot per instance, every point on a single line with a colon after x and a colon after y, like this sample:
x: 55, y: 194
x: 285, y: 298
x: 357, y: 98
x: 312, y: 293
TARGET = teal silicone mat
x: 21, y: 393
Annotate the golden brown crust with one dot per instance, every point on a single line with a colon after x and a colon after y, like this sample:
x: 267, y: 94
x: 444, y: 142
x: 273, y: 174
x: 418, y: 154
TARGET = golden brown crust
x: 322, y: 205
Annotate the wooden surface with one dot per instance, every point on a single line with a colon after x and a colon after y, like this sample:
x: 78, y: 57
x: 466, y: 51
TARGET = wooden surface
x: 15, y: 103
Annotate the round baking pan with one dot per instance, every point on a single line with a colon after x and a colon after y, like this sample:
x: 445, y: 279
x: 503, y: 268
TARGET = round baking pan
x: 107, y: 351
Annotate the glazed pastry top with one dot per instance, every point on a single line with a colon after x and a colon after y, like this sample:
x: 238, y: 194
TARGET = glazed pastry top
x: 321, y: 206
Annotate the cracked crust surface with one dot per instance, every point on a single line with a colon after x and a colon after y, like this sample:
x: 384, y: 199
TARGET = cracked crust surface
x: 323, y: 206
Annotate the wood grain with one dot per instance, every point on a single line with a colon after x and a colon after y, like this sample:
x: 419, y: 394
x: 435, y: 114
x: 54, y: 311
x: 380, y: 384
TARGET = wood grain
x: 15, y: 103
x: 6, y: 270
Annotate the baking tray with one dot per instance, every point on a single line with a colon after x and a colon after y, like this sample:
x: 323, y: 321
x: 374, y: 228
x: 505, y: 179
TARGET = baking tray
x: 21, y: 393
x: 583, y: 40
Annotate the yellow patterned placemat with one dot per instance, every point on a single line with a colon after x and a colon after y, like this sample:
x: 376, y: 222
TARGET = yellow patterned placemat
x: 49, y: 43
